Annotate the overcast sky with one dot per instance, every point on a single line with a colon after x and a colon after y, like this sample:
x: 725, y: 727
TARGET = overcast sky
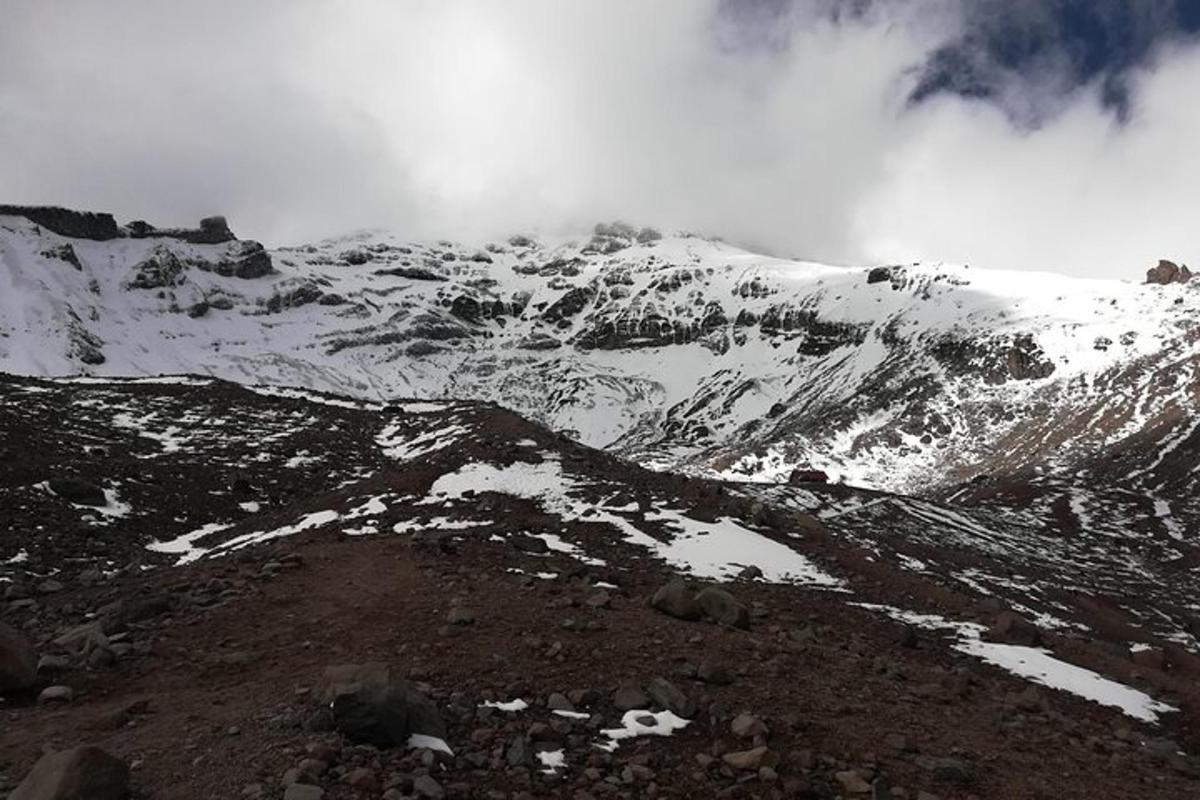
x: 1026, y: 134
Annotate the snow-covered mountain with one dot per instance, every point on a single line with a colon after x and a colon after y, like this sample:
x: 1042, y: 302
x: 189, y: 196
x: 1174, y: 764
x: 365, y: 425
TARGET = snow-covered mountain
x: 676, y: 350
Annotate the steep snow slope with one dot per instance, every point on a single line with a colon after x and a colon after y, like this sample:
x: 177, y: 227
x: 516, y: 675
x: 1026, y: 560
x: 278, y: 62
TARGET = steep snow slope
x: 682, y: 352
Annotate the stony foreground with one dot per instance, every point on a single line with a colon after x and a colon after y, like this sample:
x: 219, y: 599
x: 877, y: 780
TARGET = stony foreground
x: 270, y: 595
x: 217, y: 694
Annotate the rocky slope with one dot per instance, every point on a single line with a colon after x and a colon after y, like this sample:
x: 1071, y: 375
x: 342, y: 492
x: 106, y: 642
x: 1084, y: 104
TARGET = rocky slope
x: 192, y: 569
x: 682, y: 352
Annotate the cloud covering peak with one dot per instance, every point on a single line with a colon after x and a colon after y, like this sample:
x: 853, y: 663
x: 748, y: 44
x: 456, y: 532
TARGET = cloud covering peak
x: 809, y: 129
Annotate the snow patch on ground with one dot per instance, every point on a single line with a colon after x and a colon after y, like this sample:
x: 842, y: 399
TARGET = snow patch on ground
x: 511, y: 706
x: 302, y: 459
x: 1037, y: 665
x: 315, y: 397
x: 114, y: 508
x: 398, y: 444
x: 171, y: 439
x: 721, y: 549
x: 422, y: 407
x: 437, y: 524
x: 645, y: 723
x: 552, y: 760
x: 556, y: 544
x: 421, y: 741
x: 713, y: 550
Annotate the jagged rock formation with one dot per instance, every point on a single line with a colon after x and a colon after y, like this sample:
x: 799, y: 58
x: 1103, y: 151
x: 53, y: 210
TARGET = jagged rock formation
x: 65, y: 222
x: 1168, y: 272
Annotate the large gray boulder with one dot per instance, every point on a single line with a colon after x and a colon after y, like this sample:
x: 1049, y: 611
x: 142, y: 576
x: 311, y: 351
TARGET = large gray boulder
x: 82, y: 773
x: 676, y: 599
x: 723, y: 608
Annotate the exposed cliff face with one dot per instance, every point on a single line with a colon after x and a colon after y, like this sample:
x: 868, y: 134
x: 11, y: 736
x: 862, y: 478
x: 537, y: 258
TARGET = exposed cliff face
x: 65, y: 222
x: 676, y: 350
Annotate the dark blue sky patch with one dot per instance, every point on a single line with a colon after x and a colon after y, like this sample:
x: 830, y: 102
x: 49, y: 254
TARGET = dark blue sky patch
x: 1005, y: 45
x: 1083, y: 41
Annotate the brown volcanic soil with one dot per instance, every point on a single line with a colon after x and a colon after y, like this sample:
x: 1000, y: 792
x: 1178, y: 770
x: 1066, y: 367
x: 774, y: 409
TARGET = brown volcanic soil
x: 215, y: 694
x: 227, y: 685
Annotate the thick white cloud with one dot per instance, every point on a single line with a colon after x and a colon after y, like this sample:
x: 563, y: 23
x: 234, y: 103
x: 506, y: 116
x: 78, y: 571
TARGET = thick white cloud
x: 305, y: 118
x: 1081, y: 195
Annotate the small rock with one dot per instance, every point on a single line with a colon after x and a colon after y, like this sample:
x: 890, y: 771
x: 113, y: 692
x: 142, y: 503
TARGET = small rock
x: 953, y: 770
x: 101, y: 657
x: 79, y: 491
x: 559, y: 702
x: 56, y: 694
x: 676, y: 600
x: 82, y: 772
x: 667, y: 695
x: 600, y: 598
x: 851, y: 782
x: 460, y: 616
x: 750, y: 760
x: 628, y: 698
x: 363, y: 779
x: 53, y: 663
x: 1015, y: 629
x: 723, y: 608
x: 303, y: 791
x: 1029, y: 700
x: 716, y: 674
x: 313, y: 767
x: 528, y: 544
x: 425, y: 786
x: 748, y: 726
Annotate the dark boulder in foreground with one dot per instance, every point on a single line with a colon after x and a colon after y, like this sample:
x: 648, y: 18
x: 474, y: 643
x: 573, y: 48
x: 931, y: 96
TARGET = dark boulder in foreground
x: 82, y: 773
x: 372, y: 707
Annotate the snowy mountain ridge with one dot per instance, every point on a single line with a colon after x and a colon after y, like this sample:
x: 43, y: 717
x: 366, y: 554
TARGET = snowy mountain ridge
x: 679, y: 351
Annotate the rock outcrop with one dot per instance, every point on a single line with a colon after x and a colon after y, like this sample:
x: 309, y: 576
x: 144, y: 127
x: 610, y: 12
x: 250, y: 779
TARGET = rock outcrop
x: 65, y: 222
x: 212, y: 230
x: 1168, y: 272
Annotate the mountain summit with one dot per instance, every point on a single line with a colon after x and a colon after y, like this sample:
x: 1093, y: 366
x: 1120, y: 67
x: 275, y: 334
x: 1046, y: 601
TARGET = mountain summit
x: 361, y: 498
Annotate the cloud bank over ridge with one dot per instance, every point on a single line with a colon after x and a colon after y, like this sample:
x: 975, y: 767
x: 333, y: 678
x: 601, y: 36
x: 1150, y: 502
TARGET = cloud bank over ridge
x: 837, y: 131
